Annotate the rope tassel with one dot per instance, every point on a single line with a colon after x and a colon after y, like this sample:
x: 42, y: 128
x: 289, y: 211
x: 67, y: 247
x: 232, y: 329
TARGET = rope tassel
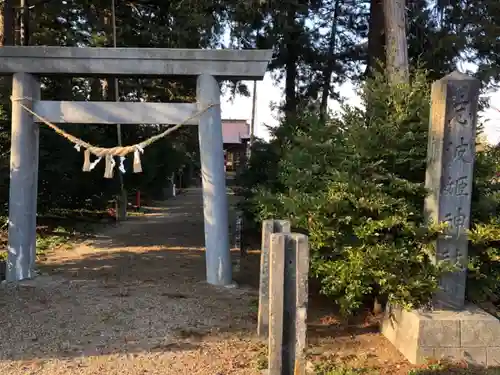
x: 121, y: 167
x: 94, y: 163
x: 110, y: 165
x: 137, y: 160
x: 86, y: 161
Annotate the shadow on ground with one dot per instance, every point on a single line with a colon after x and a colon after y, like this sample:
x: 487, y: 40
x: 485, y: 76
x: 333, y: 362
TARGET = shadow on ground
x: 139, y: 287
x: 117, y: 302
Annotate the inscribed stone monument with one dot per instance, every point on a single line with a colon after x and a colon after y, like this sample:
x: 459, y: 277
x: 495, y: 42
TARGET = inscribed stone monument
x: 452, y: 329
x: 449, y: 177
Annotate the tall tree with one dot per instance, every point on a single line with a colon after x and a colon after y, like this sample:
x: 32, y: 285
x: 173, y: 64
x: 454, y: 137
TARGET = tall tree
x: 376, y: 38
x: 7, y: 24
x: 396, y: 46
x: 330, y: 64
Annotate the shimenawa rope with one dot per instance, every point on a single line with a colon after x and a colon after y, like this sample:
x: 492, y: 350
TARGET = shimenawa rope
x: 110, y: 153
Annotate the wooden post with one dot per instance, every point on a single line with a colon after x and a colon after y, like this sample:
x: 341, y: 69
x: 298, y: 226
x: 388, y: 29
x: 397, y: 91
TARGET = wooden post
x: 252, y: 124
x: 23, y: 180
x: 123, y: 201
x: 172, y: 179
x: 138, y: 200
x: 288, y: 289
x: 215, y: 202
x: 268, y: 228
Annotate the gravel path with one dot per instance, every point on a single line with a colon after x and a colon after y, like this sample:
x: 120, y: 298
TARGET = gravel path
x: 132, y: 301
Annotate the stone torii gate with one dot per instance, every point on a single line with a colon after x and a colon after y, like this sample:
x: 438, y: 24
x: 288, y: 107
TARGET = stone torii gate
x: 28, y: 63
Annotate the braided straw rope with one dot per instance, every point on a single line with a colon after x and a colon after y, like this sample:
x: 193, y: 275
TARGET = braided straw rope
x: 110, y: 153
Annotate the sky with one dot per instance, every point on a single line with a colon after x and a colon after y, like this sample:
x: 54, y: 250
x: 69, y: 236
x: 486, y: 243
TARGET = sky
x: 269, y: 91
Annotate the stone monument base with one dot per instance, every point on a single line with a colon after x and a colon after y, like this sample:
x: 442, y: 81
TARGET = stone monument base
x: 471, y: 334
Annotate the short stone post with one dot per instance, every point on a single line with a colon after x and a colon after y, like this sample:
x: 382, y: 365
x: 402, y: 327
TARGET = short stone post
x: 288, y: 289
x: 122, y: 203
x: 23, y: 180
x: 173, y: 186
x: 238, y: 247
x: 215, y: 202
x: 449, y: 177
x: 237, y: 232
x: 268, y: 227
x: 169, y: 189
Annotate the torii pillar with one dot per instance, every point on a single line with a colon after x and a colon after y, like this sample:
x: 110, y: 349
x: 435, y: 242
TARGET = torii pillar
x: 213, y: 176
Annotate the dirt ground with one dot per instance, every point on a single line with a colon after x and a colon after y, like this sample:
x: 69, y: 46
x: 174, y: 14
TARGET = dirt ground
x: 333, y: 342
x: 133, y: 301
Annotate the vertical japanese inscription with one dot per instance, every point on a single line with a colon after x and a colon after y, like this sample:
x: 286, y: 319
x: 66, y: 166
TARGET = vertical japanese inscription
x: 462, y: 152
x: 456, y: 187
x: 462, y: 108
x: 456, y: 222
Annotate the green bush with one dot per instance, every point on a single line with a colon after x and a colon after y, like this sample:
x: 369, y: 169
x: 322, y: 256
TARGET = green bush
x: 356, y: 187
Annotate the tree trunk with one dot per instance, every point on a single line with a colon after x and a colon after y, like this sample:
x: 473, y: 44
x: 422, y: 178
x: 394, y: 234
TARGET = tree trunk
x: 96, y: 90
x: 291, y: 68
x: 396, y: 46
x: 24, y: 23
x: 2, y: 24
x: 376, y: 39
x: 290, y: 92
x: 7, y: 24
x: 327, y: 73
x: 6, y: 39
x: 376, y: 50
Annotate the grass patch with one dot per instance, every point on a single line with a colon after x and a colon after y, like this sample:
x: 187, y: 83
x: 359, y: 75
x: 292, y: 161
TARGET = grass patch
x: 254, y: 305
x: 58, y: 227
x: 329, y: 368
x: 261, y: 362
x: 444, y: 369
x: 57, y: 238
x: 438, y: 368
x: 44, y: 242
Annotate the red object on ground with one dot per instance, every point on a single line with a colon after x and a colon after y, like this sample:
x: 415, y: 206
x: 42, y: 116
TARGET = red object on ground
x: 112, y: 212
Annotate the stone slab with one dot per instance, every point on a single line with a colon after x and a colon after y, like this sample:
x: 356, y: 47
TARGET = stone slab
x: 276, y: 302
x: 223, y: 63
x: 471, y: 334
x: 288, y: 298
x: 449, y: 177
x: 268, y: 227
x: 115, y: 112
